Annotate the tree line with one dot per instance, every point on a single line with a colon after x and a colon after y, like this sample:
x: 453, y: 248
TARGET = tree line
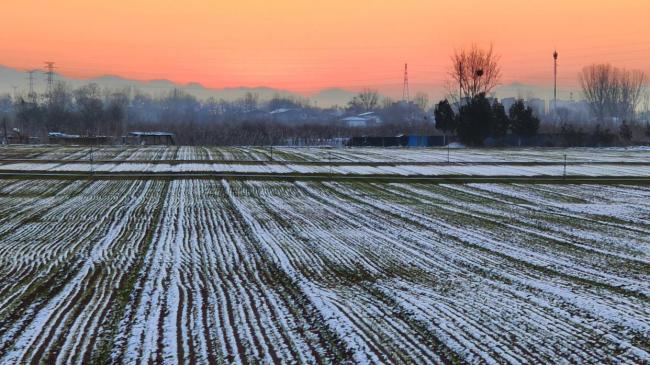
x: 94, y: 111
x: 470, y: 111
x: 480, y: 118
x: 612, y: 94
x: 476, y: 72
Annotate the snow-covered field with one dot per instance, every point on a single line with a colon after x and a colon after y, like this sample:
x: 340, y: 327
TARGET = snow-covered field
x: 153, y: 153
x: 624, y: 162
x: 339, y: 169
x: 216, y: 271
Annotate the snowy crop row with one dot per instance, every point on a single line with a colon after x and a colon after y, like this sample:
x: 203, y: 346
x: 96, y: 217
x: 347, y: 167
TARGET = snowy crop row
x: 340, y: 169
x: 153, y: 153
x: 206, y: 271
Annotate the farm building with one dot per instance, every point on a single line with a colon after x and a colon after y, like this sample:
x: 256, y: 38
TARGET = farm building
x: 151, y: 138
x: 362, y: 120
x: 286, y: 115
x: 398, y: 141
x: 19, y: 139
x: 75, y: 139
x: 425, y: 141
x: 539, y: 140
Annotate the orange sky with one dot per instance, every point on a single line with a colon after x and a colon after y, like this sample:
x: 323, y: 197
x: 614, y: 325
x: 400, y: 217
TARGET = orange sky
x: 308, y: 45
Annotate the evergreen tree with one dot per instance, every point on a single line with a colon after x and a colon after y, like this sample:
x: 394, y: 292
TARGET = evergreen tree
x: 524, y: 123
x: 445, y: 118
x: 475, y: 121
x: 501, y: 123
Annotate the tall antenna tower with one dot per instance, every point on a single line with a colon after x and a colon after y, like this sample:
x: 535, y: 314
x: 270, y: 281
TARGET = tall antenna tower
x: 49, y: 66
x: 406, y: 97
x: 555, y: 54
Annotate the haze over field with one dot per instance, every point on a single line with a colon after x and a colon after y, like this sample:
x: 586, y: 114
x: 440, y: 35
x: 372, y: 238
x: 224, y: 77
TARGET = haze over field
x: 308, y: 47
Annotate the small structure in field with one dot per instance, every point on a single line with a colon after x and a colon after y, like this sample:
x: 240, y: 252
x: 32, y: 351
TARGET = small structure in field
x: 362, y: 120
x: 399, y: 141
x: 287, y: 115
x: 151, y: 138
x: 75, y: 139
x: 20, y: 139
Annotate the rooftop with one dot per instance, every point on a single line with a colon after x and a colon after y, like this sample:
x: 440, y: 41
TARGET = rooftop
x: 151, y: 134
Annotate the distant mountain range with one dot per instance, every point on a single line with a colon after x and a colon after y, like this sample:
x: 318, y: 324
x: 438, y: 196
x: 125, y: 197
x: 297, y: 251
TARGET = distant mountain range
x: 10, y: 77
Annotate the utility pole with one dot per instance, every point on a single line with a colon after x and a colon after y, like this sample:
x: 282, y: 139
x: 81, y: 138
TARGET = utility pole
x: 460, y: 85
x: 5, y: 139
x: 406, y: 97
x: 92, y: 170
x: 555, y: 54
x: 329, y: 155
x: 448, y: 154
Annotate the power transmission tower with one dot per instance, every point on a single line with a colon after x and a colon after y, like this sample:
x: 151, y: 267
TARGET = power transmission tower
x: 50, y: 78
x: 406, y: 97
x: 555, y: 54
x: 31, y: 95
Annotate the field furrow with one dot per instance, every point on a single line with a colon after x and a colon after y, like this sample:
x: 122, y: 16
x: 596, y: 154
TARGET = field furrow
x: 242, y: 271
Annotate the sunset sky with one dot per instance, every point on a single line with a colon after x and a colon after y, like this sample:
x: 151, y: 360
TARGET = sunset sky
x: 305, y: 46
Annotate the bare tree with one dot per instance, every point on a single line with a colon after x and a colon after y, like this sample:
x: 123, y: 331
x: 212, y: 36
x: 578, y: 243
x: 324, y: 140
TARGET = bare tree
x: 369, y: 99
x: 630, y: 90
x: 117, y: 104
x: 475, y: 71
x: 612, y: 92
x: 58, y: 105
x: 91, y: 109
x: 249, y: 101
x: 366, y: 100
x: 646, y: 103
x: 595, y: 81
